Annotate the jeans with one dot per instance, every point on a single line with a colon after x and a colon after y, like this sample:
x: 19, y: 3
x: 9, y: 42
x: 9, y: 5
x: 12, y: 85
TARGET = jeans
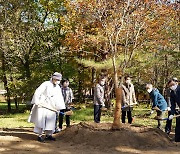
x: 97, y: 113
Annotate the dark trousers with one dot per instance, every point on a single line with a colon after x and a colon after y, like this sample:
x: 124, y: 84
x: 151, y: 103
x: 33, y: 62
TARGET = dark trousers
x: 177, y: 130
x: 168, y: 124
x: 129, y: 115
x: 56, y: 121
x: 61, y: 117
x: 97, y: 113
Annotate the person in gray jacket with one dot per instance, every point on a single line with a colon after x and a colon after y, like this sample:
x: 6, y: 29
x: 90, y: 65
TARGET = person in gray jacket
x: 128, y: 100
x: 99, y: 99
x: 68, y: 97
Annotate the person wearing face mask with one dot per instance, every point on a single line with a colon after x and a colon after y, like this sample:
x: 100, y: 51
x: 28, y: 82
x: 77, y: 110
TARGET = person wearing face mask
x: 47, y: 100
x: 158, y: 103
x: 99, y: 99
x: 169, y: 122
x: 175, y: 100
x: 68, y: 97
x: 128, y: 100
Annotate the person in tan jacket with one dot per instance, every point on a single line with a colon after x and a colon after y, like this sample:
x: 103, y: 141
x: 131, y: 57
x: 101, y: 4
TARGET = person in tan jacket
x: 128, y: 100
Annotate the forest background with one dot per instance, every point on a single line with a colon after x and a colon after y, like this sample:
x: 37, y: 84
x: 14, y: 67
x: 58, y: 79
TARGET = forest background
x: 84, y: 39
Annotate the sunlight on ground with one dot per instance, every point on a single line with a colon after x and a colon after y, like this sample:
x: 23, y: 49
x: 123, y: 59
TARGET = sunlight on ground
x: 127, y: 149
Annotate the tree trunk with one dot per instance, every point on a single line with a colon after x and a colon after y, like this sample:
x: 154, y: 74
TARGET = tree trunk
x: 6, y: 82
x: 118, y: 91
x: 80, y: 82
x: 117, y: 114
x: 26, y: 67
x: 93, y: 80
x: 15, y: 96
x: 109, y: 87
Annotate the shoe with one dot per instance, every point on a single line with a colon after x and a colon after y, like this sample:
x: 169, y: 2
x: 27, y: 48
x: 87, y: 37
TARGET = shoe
x: 167, y: 132
x: 50, y: 138
x: 40, y: 139
x: 57, y: 130
x: 160, y: 128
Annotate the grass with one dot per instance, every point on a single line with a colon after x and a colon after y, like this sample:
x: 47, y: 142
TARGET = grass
x: 15, y: 119
x: 81, y: 113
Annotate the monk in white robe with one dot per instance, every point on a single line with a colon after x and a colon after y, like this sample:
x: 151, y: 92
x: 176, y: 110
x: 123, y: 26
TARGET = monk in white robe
x: 47, y: 101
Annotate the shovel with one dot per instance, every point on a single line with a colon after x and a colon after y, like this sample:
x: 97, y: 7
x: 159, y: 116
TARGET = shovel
x: 52, y: 109
x: 158, y: 118
x: 67, y: 113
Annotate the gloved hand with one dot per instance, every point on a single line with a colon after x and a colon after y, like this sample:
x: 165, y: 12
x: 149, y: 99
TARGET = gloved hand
x: 168, y: 108
x: 171, y: 117
x: 151, y: 112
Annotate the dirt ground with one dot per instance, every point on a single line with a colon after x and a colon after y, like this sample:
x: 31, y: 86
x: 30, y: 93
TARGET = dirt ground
x: 89, y: 138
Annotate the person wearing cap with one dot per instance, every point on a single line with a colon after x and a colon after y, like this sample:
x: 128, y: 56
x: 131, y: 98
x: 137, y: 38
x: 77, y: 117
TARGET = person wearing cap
x: 47, y: 100
x: 175, y: 100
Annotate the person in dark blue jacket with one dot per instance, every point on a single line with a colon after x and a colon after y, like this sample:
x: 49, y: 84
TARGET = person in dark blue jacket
x: 175, y: 100
x: 168, y: 92
x: 158, y: 103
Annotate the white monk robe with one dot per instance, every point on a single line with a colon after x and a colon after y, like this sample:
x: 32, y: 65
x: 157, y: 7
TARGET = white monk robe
x: 51, y: 96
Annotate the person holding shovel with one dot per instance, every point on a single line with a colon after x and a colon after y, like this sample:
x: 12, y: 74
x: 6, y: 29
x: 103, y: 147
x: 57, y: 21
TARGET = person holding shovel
x: 47, y: 100
x: 68, y: 97
x: 158, y: 103
x: 175, y: 100
x: 128, y: 100
x: 169, y: 122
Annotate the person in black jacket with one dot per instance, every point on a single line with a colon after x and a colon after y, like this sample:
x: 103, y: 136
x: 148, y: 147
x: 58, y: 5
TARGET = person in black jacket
x: 175, y: 100
x: 169, y: 122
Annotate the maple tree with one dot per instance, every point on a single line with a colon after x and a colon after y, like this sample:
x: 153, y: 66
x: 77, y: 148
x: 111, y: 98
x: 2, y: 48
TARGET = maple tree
x: 107, y: 34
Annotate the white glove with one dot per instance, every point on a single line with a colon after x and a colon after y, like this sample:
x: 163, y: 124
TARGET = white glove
x: 168, y: 108
x: 171, y: 117
x: 151, y: 112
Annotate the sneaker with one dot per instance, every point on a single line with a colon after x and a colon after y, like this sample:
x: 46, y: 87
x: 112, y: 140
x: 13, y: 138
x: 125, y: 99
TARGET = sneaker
x: 167, y: 132
x: 40, y: 139
x: 50, y: 138
x: 57, y: 130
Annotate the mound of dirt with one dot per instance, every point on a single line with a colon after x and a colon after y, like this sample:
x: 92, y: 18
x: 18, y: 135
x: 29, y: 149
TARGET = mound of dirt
x: 89, y: 138
x: 101, y: 136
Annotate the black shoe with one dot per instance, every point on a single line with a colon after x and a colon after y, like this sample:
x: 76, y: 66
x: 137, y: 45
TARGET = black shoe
x: 40, y: 139
x: 50, y: 138
x: 167, y: 132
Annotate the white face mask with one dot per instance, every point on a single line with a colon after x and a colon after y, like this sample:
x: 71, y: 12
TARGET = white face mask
x: 102, y: 83
x: 173, y: 87
x: 57, y: 82
x: 149, y: 90
x: 128, y: 81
